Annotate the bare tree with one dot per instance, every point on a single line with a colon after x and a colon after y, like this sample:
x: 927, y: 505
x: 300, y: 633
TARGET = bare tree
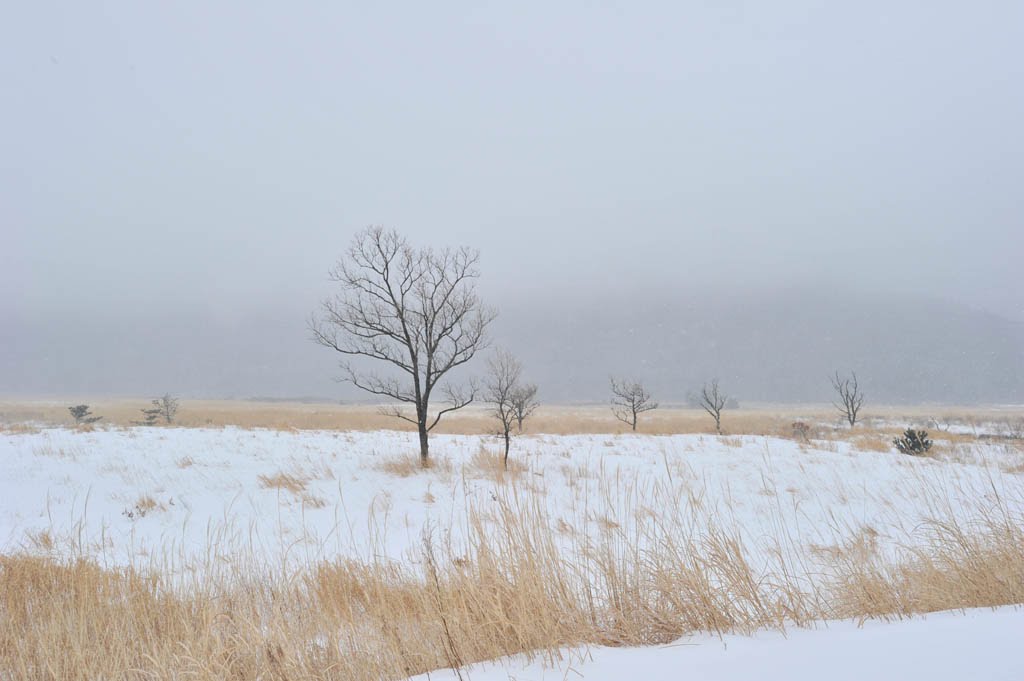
x: 713, y: 400
x: 165, y: 408
x: 168, y: 407
x: 850, y: 397
x: 629, y: 400
x: 524, y: 403
x: 416, y: 312
x: 503, y: 390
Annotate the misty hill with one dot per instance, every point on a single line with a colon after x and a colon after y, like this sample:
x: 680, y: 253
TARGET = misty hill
x: 779, y: 347
x: 772, y: 347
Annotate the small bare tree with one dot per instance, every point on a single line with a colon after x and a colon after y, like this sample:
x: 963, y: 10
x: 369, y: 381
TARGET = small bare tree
x: 629, y: 400
x: 164, y: 408
x: 713, y: 401
x: 850, y: 397
x: 168, y: 407
x: 524, y: 403
x: 414, y: 311
x: 501, y: 390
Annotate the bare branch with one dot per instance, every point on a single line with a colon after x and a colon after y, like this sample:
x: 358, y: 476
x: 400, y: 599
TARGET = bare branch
x: 457, y: 399
x: 395, y: 412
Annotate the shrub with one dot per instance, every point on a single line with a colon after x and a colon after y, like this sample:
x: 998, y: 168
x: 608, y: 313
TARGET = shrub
x: 914, y: 442
x: 164, y: 408
x: 82, y: 415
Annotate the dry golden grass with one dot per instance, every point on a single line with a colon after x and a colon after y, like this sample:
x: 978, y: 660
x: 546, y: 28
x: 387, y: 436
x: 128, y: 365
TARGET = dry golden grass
x: 313, y: 501
x: 145, y: 503
x: 41, y: 541
x: 958, y: 568
x: 775, y: 420
x: 517, y: 585
x: 284, y: 481
x: 490, y: 464
x: 404, y: 465
x: 872, y: 442
x: 19, y: 429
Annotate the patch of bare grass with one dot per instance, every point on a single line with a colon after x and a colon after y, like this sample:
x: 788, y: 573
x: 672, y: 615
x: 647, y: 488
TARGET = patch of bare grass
x: 873, y: 441
x: 313, y: 501
x: 19, y: 429
x: 404, y: 466
x: 958, y: 567
x: 489, y: 464
x: 284, y: 481
x: 142, y: 507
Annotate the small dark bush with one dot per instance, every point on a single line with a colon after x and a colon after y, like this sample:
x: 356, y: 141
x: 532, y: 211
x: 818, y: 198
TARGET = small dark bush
x: 164, y: 408
x: 82, y: 415
x: 914, y: 442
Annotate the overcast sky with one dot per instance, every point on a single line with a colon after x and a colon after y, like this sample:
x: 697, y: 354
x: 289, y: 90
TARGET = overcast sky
x: 212, y: 159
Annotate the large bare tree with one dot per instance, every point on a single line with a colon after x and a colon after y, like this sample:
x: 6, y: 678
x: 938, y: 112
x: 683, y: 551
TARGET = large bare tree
x: 629, y: 400
x: 713, y: 400
x: 414, y: 311
x: 503, y: 391
x: 850, y: 397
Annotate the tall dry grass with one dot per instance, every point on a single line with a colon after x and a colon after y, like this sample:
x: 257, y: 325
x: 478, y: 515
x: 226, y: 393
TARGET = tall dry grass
x: 510, y: 584
x: 775, y: 420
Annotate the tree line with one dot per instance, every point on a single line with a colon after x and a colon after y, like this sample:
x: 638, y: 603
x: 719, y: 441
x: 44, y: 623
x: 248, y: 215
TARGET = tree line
x: 415, y: 314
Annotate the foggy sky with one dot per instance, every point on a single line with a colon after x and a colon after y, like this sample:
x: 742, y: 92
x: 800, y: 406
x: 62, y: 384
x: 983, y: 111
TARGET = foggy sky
x: 199, y: 167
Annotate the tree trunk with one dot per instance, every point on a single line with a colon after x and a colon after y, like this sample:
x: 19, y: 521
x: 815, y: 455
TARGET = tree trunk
x: 424, y: 445
x: 506, y: 449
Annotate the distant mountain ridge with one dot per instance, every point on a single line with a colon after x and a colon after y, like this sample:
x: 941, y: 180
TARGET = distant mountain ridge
x: 769, y: 347
x: 780, y: 347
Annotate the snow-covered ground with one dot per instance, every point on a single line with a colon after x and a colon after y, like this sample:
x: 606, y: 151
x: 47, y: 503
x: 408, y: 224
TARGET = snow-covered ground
x: 978, y: 644
x: 141, y: 494
x: 205, y: 487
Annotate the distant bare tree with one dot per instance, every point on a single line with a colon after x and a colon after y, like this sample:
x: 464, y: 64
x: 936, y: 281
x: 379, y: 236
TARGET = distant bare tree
x: 167, y: 407
x: 850, y: 397
x: 501, y: 389
x: 164, y: 408
x: 713, y: 400
x: 415, y: 311
x: 630, y: 399
x: 524, y: 403
x: 82, y: 415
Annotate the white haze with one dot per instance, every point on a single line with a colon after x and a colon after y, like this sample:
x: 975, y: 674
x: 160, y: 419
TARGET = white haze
x: 175, y: 181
